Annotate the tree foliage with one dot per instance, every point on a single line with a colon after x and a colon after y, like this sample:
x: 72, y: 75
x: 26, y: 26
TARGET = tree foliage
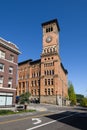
x: 71, y: 93
x: 84, y: 102
x: 79, y: 98
x: 24, y: 98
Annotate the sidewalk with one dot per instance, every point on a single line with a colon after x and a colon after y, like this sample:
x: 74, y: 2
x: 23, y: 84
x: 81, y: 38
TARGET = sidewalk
x: 36, y: 107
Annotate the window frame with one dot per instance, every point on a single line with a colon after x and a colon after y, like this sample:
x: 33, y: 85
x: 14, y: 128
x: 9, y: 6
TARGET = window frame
x: 2, y: 69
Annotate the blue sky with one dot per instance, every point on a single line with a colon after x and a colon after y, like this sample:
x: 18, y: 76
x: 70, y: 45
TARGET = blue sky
x: 20, y: 23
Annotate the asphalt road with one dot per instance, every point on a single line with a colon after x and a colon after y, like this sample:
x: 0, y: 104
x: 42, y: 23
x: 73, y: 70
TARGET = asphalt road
x: 53, y: 118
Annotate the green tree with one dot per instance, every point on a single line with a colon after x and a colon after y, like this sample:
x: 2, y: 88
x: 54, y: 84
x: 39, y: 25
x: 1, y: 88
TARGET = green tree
x: 79, y: 98
x: 71, y: 93
x: 84, y: 102
x: 24, y: 98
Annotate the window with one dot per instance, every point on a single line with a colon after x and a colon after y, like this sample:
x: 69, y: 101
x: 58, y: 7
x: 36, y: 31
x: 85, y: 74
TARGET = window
x: 48, y: 81
x: 19, y: 85
x: 52, y: 91
x: 35, y: 91
x: 10, y: 70
x: 34, y: 74
x: 2, y: 54
x: 45, y: 91
x: 48, y: 91
x: 45, y: 81
x: 51, y: 81
x: 50, y: 49
x: 32, y: 83
x: 1, y: 81
x: 1, y: 67
x: 49, y: 29
x: 45, y: 72
x: 35, y: 82
x: 44, y: 51
x: 52, y: 72
x: 32, y: 92
x: 38, y: 82
x: 23, y: 85
x: 12, y: 58
x: 38, y: 91
x: 10, y: 83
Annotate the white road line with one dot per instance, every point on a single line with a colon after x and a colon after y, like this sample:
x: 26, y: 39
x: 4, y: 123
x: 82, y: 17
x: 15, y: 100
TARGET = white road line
x: 38, y: 120
x: 51, y: 122
x: 41, y: 125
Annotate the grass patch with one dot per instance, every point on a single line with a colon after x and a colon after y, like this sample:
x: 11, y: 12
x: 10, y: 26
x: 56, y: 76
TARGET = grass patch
x: 6, y: 112
x: 9, y: 112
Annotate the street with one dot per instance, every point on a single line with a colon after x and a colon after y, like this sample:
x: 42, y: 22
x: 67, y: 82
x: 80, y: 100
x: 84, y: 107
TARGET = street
x: 54, y: 118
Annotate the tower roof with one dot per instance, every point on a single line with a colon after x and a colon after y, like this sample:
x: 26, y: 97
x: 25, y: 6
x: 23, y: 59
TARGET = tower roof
x: 51, y: 21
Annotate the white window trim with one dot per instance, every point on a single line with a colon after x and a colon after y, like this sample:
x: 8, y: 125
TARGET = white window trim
x: 7, y: 88
x: 9, y: 61
x: 3, y: 67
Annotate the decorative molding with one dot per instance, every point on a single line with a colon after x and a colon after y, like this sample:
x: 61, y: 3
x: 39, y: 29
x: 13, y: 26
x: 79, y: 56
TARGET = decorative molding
x: 7, y: 88
x: 9, y: 61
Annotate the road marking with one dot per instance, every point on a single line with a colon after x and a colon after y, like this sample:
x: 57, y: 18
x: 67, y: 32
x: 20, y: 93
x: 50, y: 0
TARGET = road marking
x: 25, y: 118
x: 37, y: 120
x: 51, y: 122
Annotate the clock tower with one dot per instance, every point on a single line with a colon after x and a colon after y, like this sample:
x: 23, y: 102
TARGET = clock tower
x: 51, y: 73
x: 50, y: 37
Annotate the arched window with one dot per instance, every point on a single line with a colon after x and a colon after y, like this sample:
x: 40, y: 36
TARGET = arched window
x: 48, y: 91
x: 45, y: 91
x: 45, y: 81
x: 32, y: 92
x: 52, y: 72
x: 51, y: 28
x: 44, y: 50
x: 48, y: 81
x: 52, y: 91
x: 47, y: 30
x: 50, y: 49
x: 45, y: 72
x: 51, y: 81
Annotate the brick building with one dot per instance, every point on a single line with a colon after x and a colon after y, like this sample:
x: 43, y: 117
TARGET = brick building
x: 46, y: 78
x: 8, y: 72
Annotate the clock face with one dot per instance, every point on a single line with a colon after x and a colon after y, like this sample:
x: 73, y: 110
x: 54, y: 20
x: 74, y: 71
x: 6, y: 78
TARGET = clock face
x: 48, y: 39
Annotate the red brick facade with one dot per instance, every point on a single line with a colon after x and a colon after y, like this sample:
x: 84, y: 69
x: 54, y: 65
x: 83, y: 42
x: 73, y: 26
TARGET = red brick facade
x: 45, y: 78
x: 8, y: 72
